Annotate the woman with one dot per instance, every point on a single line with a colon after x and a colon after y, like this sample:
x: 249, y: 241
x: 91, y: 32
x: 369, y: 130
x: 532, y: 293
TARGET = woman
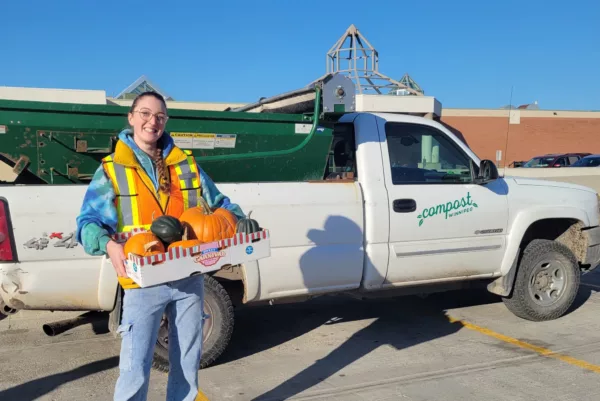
x: 147, y: 176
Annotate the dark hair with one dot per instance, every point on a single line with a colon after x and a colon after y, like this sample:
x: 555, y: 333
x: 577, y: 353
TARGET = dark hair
x: 164, y: 181
x: 144, y: 94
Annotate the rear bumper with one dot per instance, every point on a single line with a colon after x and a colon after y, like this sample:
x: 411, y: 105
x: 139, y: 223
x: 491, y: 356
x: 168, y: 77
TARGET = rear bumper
x: 592, y: 256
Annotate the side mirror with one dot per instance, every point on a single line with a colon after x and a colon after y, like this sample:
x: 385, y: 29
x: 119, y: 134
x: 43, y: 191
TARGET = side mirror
x: 488, y: 172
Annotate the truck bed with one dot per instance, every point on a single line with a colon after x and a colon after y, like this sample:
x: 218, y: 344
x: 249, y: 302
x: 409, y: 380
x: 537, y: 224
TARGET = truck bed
x: 316, y: 233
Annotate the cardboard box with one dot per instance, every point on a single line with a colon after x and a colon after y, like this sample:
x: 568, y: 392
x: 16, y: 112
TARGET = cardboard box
x: 178, y: 263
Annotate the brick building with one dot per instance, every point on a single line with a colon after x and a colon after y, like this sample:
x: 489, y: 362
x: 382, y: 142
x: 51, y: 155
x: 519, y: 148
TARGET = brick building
x: 530, y: 132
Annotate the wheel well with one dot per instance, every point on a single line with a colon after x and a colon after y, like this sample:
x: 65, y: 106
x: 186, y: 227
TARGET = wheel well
x: 231, y: 280
x: 565, y: 231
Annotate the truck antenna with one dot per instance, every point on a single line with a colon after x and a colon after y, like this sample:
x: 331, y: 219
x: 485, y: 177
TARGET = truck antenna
x: 508, y: 131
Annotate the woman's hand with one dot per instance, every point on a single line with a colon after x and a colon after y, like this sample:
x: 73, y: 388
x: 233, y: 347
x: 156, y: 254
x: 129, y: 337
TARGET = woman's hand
x: 117, y: 257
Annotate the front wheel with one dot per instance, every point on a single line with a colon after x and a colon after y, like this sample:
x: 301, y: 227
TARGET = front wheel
x: 546, y: 283
x: 216, y: 332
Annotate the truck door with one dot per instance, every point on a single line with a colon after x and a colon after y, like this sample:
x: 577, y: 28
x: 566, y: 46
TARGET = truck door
x: 442, y: 226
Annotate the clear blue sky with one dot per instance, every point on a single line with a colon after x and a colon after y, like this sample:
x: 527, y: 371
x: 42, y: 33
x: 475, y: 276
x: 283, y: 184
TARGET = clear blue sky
x: 466, y: 53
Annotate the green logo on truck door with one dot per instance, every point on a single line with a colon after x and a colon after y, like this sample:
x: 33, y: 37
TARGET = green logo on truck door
x: 448, y: 209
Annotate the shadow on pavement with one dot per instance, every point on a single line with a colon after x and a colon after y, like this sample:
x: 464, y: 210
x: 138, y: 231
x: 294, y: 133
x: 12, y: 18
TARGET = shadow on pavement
x: 261, y: 328
x: 34, y: 389
x: 400, y: 322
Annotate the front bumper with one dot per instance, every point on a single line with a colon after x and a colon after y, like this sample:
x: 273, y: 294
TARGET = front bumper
x: 592, y: 256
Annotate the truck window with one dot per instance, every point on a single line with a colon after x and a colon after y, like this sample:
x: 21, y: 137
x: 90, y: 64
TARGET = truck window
x: 341, y: 163
x: 420, y: 154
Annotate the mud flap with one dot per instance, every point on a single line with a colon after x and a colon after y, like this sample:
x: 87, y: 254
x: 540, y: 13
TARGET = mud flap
x: 592, y: 255
x: 503, y: 285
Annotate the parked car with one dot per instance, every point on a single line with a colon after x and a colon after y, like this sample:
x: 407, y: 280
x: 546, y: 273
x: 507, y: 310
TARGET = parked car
x: 555, y: 160
x: 588, y: 161
x: 517, y: 163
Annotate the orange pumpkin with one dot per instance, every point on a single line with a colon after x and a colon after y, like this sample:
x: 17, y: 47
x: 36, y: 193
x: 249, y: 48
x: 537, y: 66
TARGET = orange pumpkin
x: 208, y: 225
x: 230, y: 217
x: 189, y: 243
x: 144, y: 244
x: 185, y: 242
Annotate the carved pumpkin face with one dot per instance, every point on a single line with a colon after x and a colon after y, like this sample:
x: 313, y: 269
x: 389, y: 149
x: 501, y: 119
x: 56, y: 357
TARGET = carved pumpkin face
x: 143, y: 244
x: 206, y: 225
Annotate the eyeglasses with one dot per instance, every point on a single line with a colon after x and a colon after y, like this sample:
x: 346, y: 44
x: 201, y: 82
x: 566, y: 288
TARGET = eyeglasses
x: 147, y: 116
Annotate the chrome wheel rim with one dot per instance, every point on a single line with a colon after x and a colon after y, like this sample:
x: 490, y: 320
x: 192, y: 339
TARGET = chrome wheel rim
x: 547, y: 282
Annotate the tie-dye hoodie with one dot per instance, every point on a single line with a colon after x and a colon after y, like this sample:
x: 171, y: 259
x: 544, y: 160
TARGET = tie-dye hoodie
x: 97, y: 220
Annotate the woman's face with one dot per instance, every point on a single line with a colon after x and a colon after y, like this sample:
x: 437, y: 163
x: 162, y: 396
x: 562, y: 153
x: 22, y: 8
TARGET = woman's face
x: 148, y: 120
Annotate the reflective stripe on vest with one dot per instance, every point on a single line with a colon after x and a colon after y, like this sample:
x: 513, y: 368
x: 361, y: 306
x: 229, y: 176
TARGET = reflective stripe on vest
x: 189, y: 182
x: 127, y: 199
x: 127, y: 202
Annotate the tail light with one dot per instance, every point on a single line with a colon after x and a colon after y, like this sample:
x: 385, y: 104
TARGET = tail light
x: 7, y: 244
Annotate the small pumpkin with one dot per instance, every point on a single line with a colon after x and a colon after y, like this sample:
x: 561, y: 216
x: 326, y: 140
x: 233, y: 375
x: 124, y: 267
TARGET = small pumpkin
x: 144, y: 244
x: 247, y: 225
x: 207, y: 225
x: 185, y: 242
x: 167, y: 228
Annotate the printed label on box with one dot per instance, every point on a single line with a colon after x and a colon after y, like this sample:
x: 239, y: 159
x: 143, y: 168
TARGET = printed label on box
x: 209, y: 257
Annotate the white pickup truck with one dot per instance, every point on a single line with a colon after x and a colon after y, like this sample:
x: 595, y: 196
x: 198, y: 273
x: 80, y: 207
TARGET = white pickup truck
x: 412, y: 208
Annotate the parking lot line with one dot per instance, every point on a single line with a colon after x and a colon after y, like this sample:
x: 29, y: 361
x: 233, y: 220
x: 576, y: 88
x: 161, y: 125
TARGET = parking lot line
x: 540, y: 350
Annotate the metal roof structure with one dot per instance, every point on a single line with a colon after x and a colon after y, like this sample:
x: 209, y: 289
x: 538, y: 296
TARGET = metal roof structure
x: 406, y: 80
x: 354, y: 56
x: 140, y: 85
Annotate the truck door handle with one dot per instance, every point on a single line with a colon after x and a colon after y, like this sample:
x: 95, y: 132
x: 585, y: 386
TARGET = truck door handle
x: 405, y: 205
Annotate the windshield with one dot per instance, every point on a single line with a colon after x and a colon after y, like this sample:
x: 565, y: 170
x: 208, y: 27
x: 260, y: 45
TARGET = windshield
x: 587, y: 162
x: 539, y: 162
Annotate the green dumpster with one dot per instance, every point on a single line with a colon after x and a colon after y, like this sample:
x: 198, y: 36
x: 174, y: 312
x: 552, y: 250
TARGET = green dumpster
x: 284, y: 138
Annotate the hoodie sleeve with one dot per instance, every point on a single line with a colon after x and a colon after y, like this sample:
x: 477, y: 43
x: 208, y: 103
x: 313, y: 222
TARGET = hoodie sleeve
x: 97, y: 220
x: 215, y: 198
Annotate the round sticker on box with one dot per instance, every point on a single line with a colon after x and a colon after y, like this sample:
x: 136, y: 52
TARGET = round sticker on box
x: 249, y: 250
x: 134, y: 267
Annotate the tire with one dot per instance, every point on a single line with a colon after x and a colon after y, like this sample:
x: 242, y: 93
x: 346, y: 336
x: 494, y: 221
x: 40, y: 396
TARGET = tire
x: 546, y: 283
x: 218, y: 327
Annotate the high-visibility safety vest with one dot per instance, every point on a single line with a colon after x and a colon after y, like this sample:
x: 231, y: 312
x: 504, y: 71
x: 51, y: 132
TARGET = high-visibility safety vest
x: 136, y: 200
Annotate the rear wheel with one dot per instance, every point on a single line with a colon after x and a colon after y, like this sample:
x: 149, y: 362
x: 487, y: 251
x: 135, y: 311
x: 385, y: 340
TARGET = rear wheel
x: 546, y: 283
x: 217, y: 329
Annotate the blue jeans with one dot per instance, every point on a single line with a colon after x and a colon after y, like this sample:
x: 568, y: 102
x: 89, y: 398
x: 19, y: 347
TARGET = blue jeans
x: 143, y: 309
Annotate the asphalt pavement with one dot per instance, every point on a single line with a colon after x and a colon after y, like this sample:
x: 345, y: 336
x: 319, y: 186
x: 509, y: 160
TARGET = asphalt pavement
x: 461, y: 345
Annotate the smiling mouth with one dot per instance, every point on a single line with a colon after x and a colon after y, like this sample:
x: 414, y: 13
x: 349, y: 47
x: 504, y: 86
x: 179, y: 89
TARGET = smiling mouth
x: 151, y: 130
